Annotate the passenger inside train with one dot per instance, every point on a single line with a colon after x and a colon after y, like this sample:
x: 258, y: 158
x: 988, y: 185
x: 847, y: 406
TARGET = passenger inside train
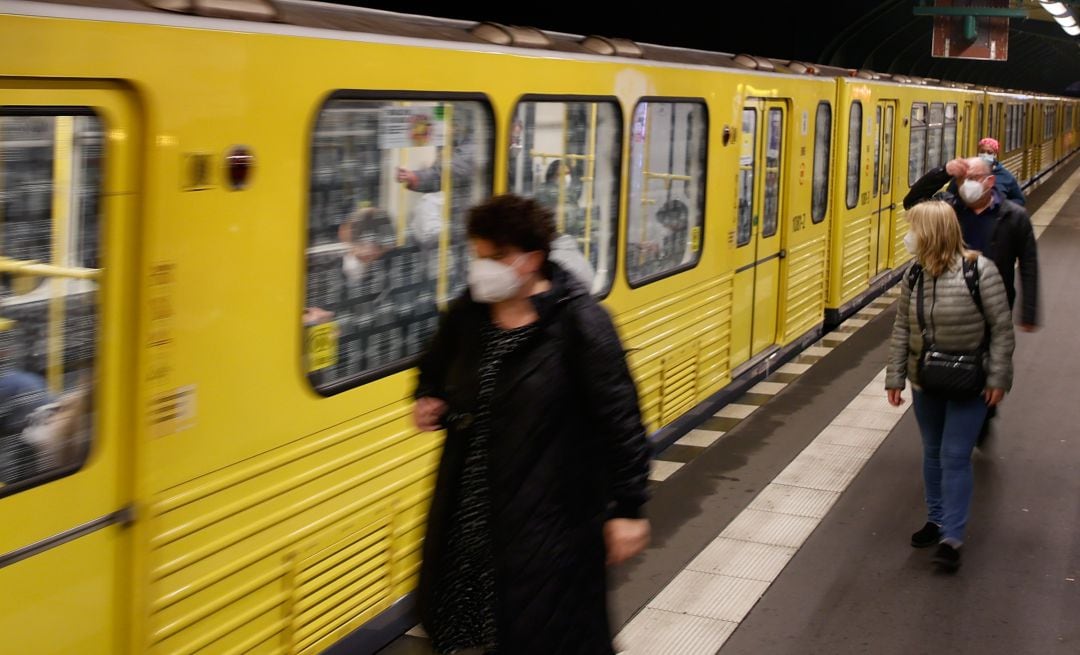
x: 40, y: 431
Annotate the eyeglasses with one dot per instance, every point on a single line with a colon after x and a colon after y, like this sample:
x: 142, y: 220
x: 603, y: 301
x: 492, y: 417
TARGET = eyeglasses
x: 977, y: 178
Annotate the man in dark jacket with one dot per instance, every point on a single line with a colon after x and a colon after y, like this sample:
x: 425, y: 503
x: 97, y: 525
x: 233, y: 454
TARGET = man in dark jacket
x: 994, y: 225
x: 1004, y: 181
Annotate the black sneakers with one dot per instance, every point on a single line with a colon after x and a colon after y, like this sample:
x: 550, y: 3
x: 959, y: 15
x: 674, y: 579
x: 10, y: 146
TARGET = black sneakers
x: 928, y: 536
x: 947, y: 558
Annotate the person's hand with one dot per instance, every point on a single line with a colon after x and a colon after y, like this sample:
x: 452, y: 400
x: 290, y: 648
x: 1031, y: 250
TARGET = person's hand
x: 625, y: 538
x: 957, y: 168
x: 894, y: 397
x: 315, y: 315
x: 427, y: 412
x: 408, y: 177
x: 993, y: 396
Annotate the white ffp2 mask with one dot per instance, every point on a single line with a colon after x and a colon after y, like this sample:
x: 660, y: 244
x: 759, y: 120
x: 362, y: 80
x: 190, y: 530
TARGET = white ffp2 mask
x: 971, y: 191
x: 491, y: 281
x: 911, y: 243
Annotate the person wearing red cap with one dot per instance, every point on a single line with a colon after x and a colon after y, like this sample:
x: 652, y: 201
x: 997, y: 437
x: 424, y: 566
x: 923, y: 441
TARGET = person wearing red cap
x: 1004, y: 181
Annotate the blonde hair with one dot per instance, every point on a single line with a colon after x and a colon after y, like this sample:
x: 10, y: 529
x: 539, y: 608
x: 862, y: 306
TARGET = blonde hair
x: 937, y: 233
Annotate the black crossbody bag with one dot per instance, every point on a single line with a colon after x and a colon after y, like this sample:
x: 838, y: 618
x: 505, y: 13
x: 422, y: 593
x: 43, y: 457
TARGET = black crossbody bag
x: 950, y: 374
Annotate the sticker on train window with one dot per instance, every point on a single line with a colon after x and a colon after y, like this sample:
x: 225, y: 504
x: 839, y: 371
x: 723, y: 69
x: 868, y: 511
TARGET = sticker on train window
x: 322, y: 346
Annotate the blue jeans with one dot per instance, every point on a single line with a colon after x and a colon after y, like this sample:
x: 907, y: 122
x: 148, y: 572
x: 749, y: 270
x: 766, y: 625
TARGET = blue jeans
x: 949, y: 429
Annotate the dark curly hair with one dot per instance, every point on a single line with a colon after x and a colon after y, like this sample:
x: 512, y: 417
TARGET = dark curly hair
x: 510, y: 220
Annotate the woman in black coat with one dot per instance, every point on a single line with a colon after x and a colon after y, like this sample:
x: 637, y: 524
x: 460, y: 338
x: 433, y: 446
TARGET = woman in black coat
x: 545, y: 465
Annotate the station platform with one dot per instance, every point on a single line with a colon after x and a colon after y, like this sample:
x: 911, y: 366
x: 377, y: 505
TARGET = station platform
x: 782, y: 524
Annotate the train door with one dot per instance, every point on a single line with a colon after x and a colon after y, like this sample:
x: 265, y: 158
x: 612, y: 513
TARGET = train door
x: 758, y: 252
x: 885, y: 120
x: 67, y: 185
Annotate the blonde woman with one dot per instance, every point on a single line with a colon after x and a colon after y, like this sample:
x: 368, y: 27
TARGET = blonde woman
x: 963, y: 353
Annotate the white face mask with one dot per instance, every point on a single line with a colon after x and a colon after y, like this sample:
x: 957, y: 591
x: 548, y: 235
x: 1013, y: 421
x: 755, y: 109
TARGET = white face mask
x: 911, y: 243
x: 491, y: 281
x: 971, y: 191
x: 988, y: 157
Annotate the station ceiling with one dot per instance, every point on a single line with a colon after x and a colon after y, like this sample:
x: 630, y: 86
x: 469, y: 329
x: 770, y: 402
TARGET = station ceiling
x: 887, y: 36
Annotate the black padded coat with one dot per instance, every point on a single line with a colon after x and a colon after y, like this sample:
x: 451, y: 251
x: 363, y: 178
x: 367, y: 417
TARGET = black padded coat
x: 567, y: 451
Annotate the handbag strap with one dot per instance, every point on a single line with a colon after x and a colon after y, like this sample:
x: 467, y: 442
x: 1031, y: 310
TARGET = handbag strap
x: 919, y: 308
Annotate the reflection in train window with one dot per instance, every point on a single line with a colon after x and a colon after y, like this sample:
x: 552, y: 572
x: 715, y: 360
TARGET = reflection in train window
x: 50, y: 193
x: 935, y: 136
x: 854, y: 154
x: 822, y: 144
x: 567, y: 155
x: 666, y: 202
x: 391, y: 182
x: 887, y: 150
x: 877, y: 149
x: 917, y: 143
x: 747, y: 165
x: 949, y: 149
x: 773, y: 148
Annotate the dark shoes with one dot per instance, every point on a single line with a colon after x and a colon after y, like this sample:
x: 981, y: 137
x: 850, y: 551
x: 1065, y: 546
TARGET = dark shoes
x: 947, y: 558
x: 928, y: 536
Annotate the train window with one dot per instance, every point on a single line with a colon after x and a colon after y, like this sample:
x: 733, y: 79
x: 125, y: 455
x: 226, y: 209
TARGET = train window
x: 747, y: 165
x: 855, y: 125
x: 773, y: 144
x: 1022, y: 133
x: 1012, y: 112
x: 1010, y: 126
x: 1021, y: 125
x: 1007, y: 129
x: 822, y: 144
x: 1020, y: 118
x: 948, y: 150
x: 1048, y: 123
x: 666, y: 201
x: 50, y: 201
x: 1015, y: 136
x: 935, y: 136
x: 917, y: 143
x: 877, y: 150
x: 887, y: 150
x: 982, y: 123
x: 391, y: 180
x: 567, y: 155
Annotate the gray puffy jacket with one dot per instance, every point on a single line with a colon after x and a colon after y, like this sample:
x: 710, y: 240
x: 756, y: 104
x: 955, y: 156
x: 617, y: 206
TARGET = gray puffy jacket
x: 954, y: 323
x: 565, y: 253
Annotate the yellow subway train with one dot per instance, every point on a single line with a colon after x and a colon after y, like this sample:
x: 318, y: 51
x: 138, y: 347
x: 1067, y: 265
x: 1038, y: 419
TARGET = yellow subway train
x: 227, y: 236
